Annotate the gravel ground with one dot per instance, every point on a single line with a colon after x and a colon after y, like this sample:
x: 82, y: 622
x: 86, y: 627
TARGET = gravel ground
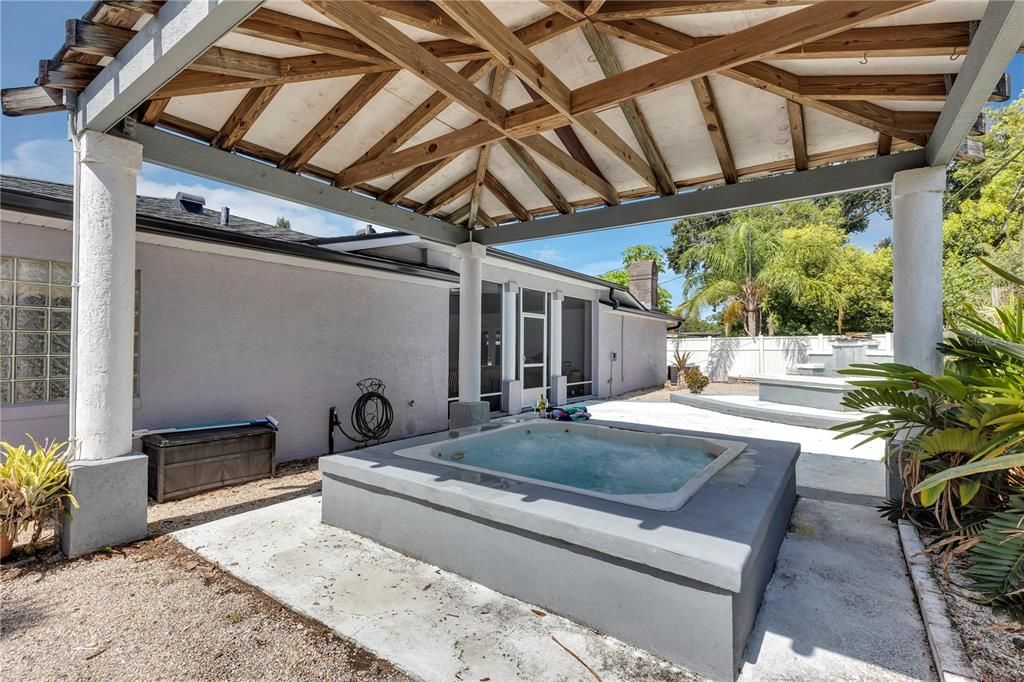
x: 994, y: 643
x: 156, y: 610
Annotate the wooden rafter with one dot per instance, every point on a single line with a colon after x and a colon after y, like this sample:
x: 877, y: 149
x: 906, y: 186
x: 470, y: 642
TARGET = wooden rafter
x: 422, y: 15
x: 537, y: 176
x: 363, y: 22
x: 151, y: 111
x: 716, y: 129
x: 448, y: 194
x: 421, y: 115
x: 568, y: 8
x: 490, y: 32
x: 309, y: 35
x: 358, y: 96
x: 568, y: 137
x: 903, y: 125
x: 244, y: 116
x: 592, y: 7
x: 506, y: 198
x: 609, y: 64
x: 412, y: 180
x: 32, y: 99
x: 497, y: 85
x: 642, y: 9
x: 798, y: 133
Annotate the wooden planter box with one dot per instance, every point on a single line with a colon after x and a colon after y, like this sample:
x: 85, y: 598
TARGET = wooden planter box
x: 186, y: 463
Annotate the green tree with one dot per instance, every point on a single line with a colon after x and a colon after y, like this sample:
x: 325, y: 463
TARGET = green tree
x: 637, y: 253
x: 283, y: 223
x: 748, y: 263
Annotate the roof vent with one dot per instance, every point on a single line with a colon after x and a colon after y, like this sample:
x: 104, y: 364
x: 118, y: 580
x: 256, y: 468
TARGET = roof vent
x: 225, y: 215
x: 192, y: 203
x: 365, y: 230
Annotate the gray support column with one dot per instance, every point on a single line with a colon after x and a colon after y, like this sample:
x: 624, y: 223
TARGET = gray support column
x: 917, y: 267
x: 558, y: 391
x: 511, y: 388
x: 107, y: 479
x: 469, y: 409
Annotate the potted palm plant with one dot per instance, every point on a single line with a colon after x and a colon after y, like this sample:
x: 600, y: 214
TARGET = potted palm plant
x: 34, y: 489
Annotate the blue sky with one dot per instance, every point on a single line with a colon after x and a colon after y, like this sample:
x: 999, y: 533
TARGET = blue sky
x: 36, y: 146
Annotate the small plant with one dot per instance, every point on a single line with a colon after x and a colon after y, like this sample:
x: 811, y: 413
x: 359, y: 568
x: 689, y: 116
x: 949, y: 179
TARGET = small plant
x: 34, y: 485
x: 695, y: 380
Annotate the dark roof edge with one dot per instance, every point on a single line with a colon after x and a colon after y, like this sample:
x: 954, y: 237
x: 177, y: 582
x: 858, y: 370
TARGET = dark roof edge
x: 29, y: 202
x: 540, y: 265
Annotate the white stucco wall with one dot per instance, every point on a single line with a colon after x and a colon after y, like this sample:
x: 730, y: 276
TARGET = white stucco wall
x: 228, y: 338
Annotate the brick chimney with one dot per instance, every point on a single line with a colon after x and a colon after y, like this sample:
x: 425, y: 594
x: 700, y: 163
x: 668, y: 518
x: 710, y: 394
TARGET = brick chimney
x: 643, y: 282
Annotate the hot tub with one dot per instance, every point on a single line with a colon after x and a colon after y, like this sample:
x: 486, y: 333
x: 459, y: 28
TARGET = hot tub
x: 659, y: 471
x: 601, y: 543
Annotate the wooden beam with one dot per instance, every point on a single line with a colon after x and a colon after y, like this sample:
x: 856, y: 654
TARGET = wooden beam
x: 746, y: 45
x: 639, y: 9
x: 450, y: 193
x: 884, y: 144
x: 490, y: 32
x: 918, y: 87
x: 497, y: 85
x: 537, y: 175
x: 422, y: 15
x: 309, y: 35
x: 32, y: 99
x: 244, y: 116
x: 412, y: 180
x: 571, y: 167
x: 506, y: 197
x: 458, y: 215
x: 236, y: 63
x: 593, y: 7
x: 363, y: 21
x: 568, y: 137
x: 486, y: 220
x: 427, y: 111
x: 101, y: 40
x: 784, y: 84
x: 442, y: 147
x: 567, y: 8
x: 66, y: 75
x: 609, y: 63
x: 358, y: 96
x: 716, y: 129
x: 151, y: 111
x: 798, y: 133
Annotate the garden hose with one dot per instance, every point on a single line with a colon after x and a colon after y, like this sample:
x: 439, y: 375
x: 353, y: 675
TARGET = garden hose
x: 372, y: 415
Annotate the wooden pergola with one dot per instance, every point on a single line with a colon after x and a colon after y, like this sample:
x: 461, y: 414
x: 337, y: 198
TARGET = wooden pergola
x: 502, y: 121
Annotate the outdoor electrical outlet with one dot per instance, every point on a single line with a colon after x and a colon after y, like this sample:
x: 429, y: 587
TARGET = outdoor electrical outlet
x: 615, y: 356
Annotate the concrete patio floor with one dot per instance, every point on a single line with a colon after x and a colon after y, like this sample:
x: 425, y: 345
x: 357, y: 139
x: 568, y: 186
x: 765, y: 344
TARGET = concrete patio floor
x: 839, y: 607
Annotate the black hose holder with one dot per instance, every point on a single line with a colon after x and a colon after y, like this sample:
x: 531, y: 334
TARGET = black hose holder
x: 372, y: 416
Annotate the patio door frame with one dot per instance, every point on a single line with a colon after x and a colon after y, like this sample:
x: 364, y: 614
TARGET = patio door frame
x: 530, y: 395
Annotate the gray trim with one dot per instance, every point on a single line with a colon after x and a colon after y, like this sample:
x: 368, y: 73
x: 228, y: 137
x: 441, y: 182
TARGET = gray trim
x: 995, y: 42
x: 835, y: 179
x: 177, y: 152
x: 166, y: 45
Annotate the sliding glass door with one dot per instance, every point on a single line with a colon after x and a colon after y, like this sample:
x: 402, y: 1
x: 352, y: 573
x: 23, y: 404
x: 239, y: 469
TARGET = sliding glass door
x: 577, y: 351
x: 533, y: 340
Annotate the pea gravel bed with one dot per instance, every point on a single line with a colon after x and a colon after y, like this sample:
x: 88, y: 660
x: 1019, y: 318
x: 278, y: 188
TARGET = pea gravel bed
x: 156, y: 610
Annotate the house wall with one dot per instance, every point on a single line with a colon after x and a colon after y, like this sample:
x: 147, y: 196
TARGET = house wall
x: 226, y: 338
x: 235, y: 334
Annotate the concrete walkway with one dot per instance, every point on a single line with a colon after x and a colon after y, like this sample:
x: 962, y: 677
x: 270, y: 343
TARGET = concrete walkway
x: 839, y: 606
x: 828, y: 469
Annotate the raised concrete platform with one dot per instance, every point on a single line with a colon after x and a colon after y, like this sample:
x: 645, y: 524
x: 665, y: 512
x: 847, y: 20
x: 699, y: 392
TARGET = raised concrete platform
x: 111, y: 495
x: 752, y: 407
x: 685, y: 585
x: 824, y: 393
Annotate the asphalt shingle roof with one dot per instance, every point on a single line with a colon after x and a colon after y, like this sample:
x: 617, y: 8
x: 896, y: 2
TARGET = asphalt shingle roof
x: 161, y: 209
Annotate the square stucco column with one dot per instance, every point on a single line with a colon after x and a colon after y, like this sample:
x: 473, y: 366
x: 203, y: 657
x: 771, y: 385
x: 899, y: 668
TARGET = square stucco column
x: 469, y: 409
x: 511, y: 388
x: 108, y: 480
x: 557, y: 393
x: 917, y: 267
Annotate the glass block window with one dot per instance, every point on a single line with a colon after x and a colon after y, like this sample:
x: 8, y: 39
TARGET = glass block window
x: 35, y: 330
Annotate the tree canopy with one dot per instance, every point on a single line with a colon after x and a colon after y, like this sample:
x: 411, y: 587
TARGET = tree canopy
x: 637, y: 253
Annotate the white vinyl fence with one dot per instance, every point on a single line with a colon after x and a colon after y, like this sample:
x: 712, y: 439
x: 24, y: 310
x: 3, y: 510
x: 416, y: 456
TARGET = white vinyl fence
x: 738, y: 357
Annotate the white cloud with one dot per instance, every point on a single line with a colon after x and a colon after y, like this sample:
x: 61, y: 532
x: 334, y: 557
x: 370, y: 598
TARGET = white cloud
x: 548, y: 255
x: 47, y: 158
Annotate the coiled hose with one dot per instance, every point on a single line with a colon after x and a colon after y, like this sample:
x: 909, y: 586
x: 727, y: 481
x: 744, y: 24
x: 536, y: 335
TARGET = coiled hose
x: 372, y: 415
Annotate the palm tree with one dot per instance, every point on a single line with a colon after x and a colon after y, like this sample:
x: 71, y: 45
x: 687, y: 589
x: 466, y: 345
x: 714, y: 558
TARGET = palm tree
x: 745, y: 264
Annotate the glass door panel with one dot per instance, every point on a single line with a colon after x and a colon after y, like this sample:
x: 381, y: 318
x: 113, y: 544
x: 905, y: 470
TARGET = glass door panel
x: 533, y: 342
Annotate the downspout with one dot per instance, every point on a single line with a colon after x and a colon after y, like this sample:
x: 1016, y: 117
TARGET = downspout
x: 71, y: 99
